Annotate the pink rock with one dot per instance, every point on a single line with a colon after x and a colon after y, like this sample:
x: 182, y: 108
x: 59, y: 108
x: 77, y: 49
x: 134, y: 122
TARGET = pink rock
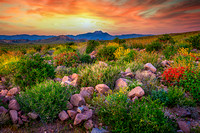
x: 66, y: 78
x: 183, y: 126
x: 88, y: 124
x: 102, y: 88
x: 83, y: 116
x: 13, y: 91
x: 14, y: 116
x: 32, y: 115
x: 72, y: 114
x: 149, y: 66
x: 121, y: 83
x: 3, y: 110
x: 20, y: 122
x: 63, y: 115
x: 137, y: 91
x: 14, y: 105
x: 77, y: 100
x: 3, y: 92
x: 88, y: 89
x: 85, y: 95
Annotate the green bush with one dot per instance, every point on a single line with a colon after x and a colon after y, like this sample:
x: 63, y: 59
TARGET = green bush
x: 154, y: 46
x: 85, y: 58
x: 170, y: 51
x: 130, y: 56
x: 91, y: 46
x: 46, y: 99
x: 191, y: 83
x: 30, y: 70
x: 38, y: 48
x: 119, y: 41
x: 166, y: 39
x: 175, y: 96
x: 141, y: 116
x: 106, y: 53
x: 194, y: 41
x: 94, y: 74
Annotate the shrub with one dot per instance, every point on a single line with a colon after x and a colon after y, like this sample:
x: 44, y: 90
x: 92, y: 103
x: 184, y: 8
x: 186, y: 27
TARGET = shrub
x: 63, y: 71
x: 175, y: 96
x: 70, y: 59
x: 131, y: 56
x: 154, y: 46
x: 194, y: 41
x: 141, y: 116
x: 146, y: 57
x: 170, y: 51
x: 91, y: 46
x: 70, y: 43
x: 94, y: 74
x: 63, y: 49
x: 30, y: 70
x: 85, y: 58
x: 46, y: 99
x: 38, y: 48
x: 107, y: 53
x: 173, y: 75
x: 120, y: 41
x: 166, y: 39
x: 121, y: 52
x: 191, y: 83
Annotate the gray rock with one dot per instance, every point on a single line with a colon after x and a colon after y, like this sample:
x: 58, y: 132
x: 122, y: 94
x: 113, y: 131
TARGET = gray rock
x: 97, y: 130
x: 32, y: 115
x: 72, y: 113
x: 63, y: 115
x: 150, y: 67
x: 77, y: 100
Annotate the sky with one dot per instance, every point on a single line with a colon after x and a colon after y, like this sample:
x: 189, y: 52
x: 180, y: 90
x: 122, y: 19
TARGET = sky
x: 64, y: 17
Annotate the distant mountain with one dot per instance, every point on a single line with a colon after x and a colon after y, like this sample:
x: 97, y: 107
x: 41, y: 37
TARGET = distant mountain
x: 24, y: 36
x: 97, y: 35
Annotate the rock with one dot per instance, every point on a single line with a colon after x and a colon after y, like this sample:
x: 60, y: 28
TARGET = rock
x: 137, y: 91
x: 83, y: 116
x: 85, y: 107
x: 150, y: 67
x: 3, y: 110
x: 85, y: 94
x: 63, y: 115
x: 88, y: 124
x: 128, y: 70
x: 80, y: 109
x: 183, y: 126
x: 88, y: 89
x: 3, y: 92
x: 24, y: 118
x: 14, y: 105
x: 69, y: 105
x: 32, y: 115
x: 77, y: 100
x: 102, y: 88
x: 145, y: 75
x: 102, y: 64
x: 93, y: 54
x: 121, y: 83
x: 135, y: 98
x: 66, y: 79
x: 165, y: 63
x: 13, y: 91
x: 14, y: 116
x: 20, y: 122
x: 97, y: 130
x: 72, y: 114
x: 74, y: 76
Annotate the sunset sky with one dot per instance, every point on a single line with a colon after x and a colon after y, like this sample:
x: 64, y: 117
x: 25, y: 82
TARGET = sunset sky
x: 56, y: 17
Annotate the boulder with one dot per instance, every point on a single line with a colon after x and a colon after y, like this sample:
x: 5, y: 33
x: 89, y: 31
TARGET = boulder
x: 63, y: 115
x: 150, y: 67
x: 14, y: 116
x: 137, y: 91
x: 77, y: 100
x: 121, y: 83
x: 143, y: 75
x: 13, y: 91
x: 3, y: 92
x: 128, y: 70
x: 32, y: 115
x: 88, y: 89
x: 102, y: 88
x: 69, y: 105
x: 70, y: 80
x: 102, y: 64
x: 85, y: 94
x: 83, y: 116
x: 88, y: 124
x: 183, y: 126
x: 72, y: 114
x: 14, y: 105
x: 3, y: 110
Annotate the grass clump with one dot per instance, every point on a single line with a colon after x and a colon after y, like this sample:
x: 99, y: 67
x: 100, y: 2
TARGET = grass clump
x: 32, y: 70
x: 46, y: 99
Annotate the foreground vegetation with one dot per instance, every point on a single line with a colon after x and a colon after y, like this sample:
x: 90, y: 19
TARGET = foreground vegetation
x: 33, y: 68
